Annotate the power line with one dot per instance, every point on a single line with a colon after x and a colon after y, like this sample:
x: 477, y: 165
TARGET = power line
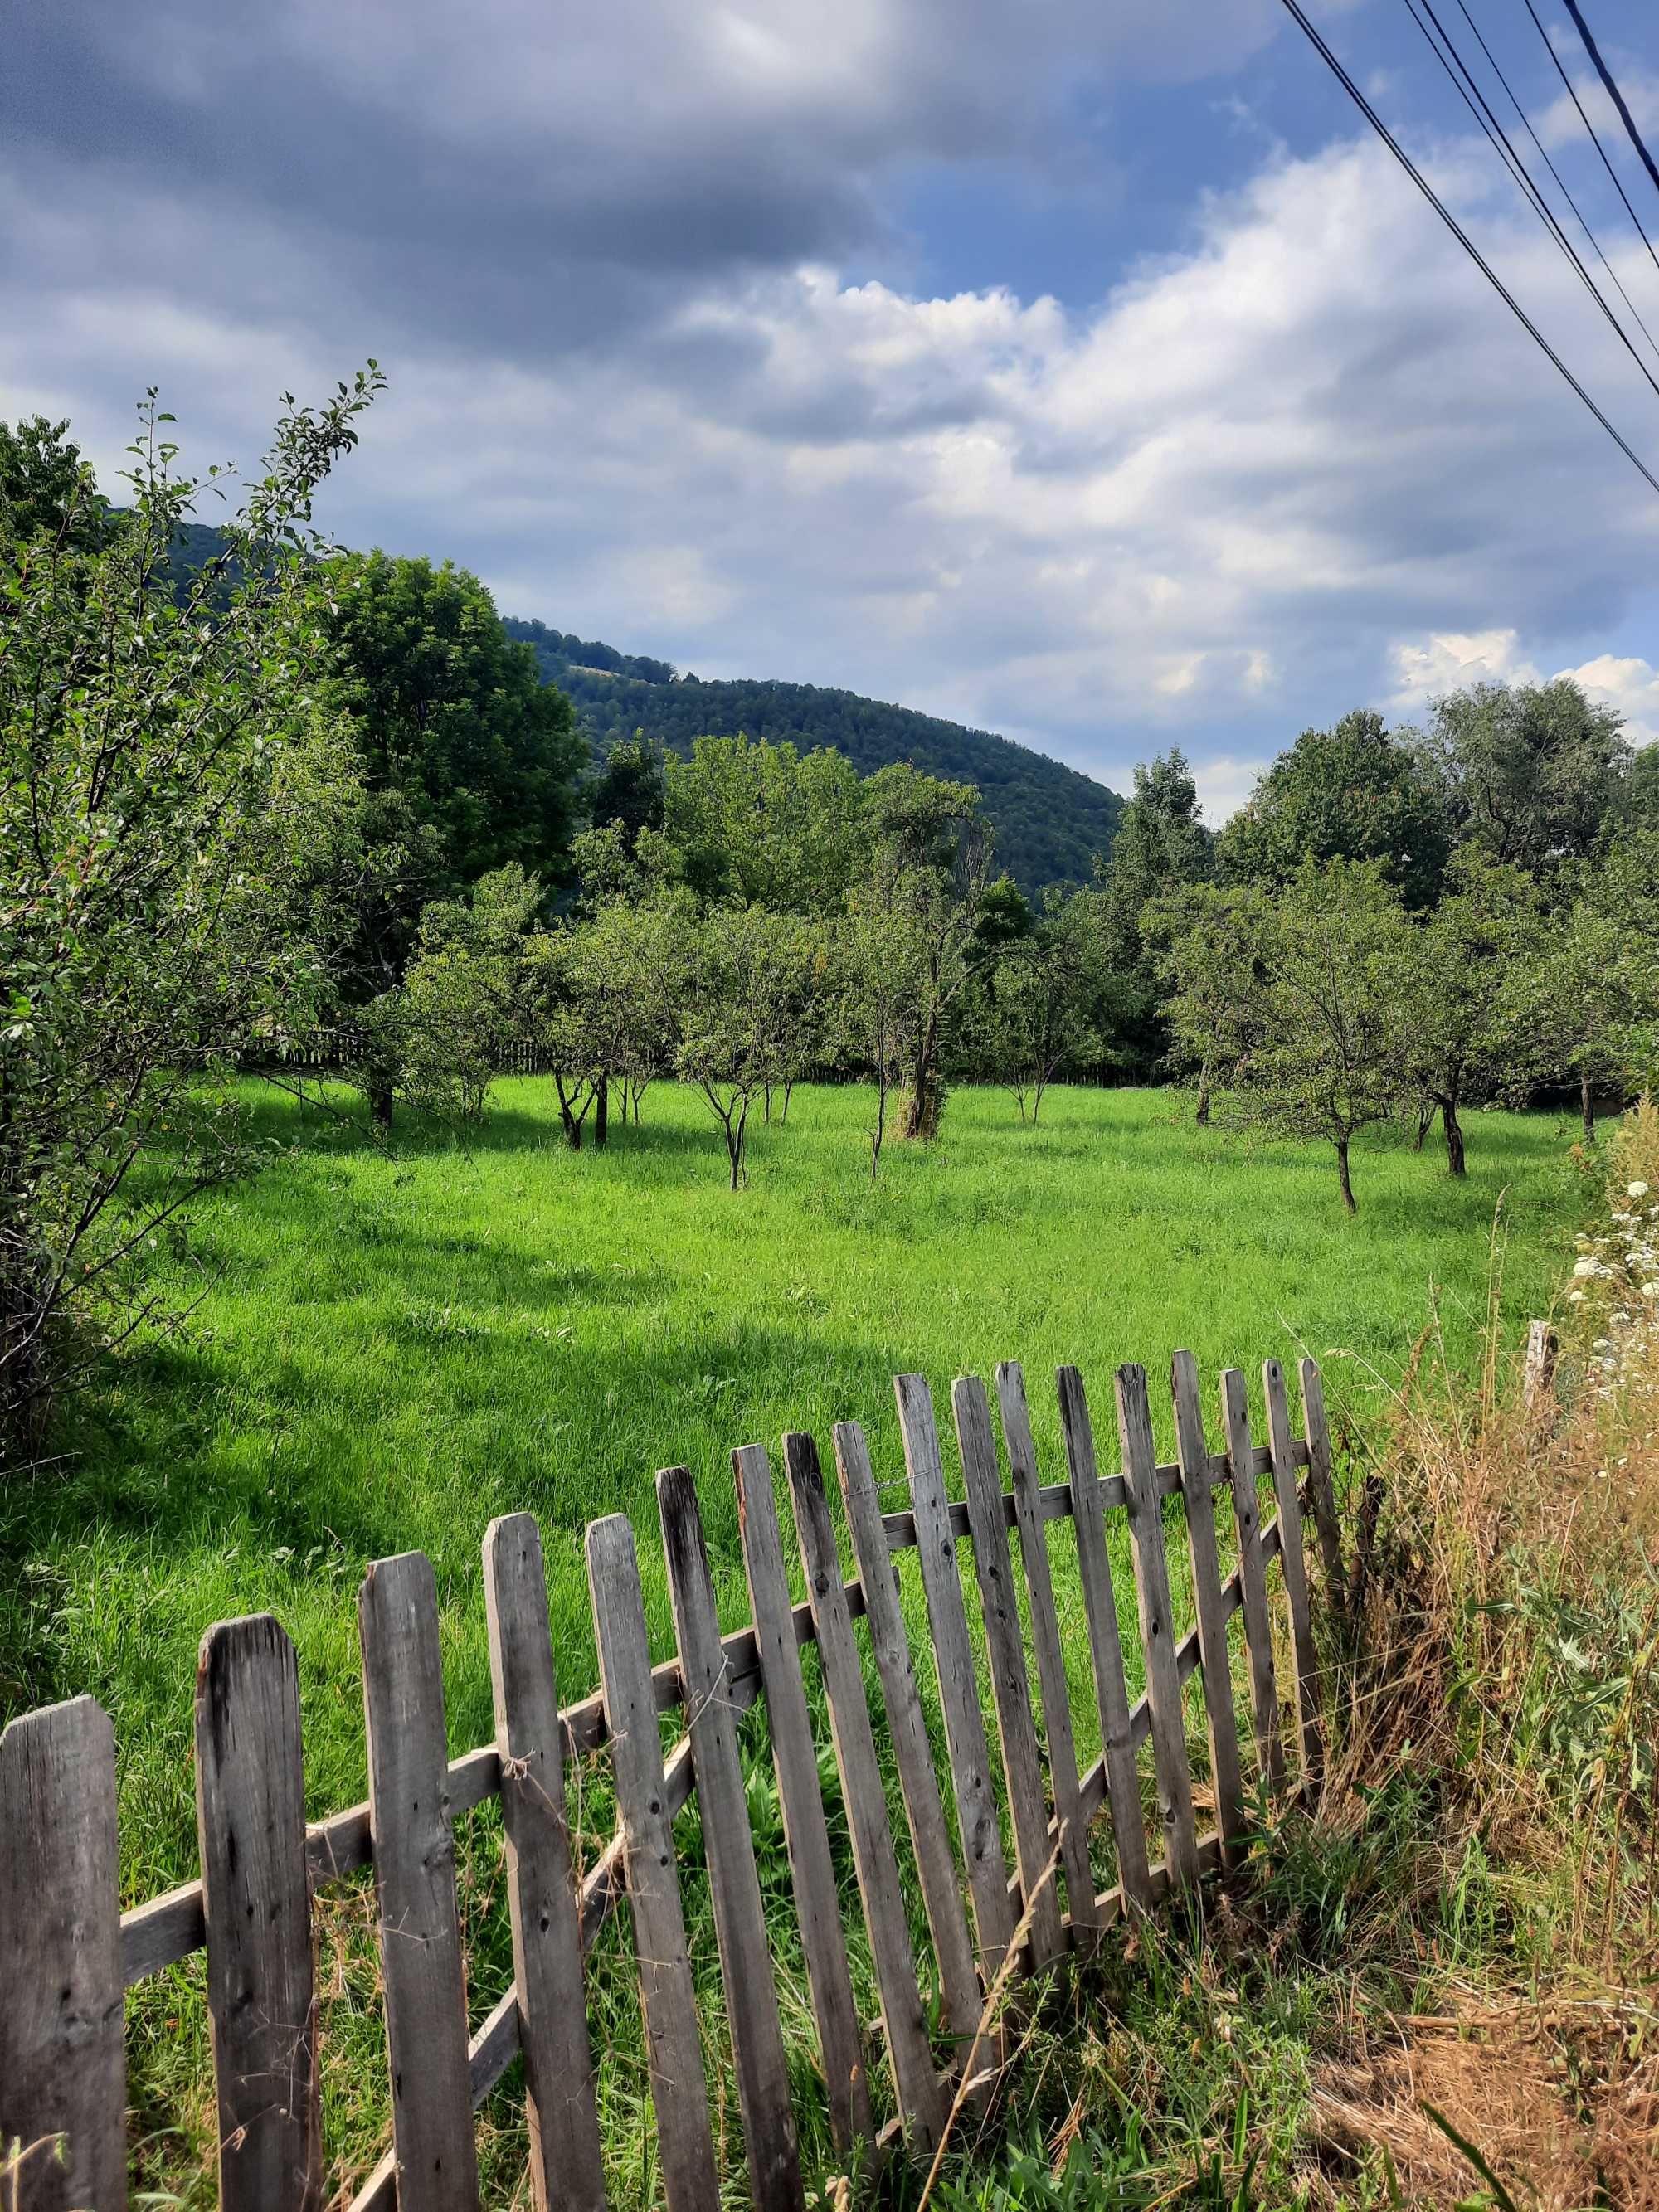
x: 1295, y: 9
x: 1542, y: 151
x: 1572, y: 92
x: 1617, y: 97
x: 1475, y: 100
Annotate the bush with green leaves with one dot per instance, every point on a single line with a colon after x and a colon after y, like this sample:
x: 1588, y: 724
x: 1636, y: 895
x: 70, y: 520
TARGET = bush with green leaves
x: 175, y: 805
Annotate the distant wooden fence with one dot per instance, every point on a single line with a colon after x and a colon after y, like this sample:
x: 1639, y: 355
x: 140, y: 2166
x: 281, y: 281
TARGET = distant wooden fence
x: 67, y: 1951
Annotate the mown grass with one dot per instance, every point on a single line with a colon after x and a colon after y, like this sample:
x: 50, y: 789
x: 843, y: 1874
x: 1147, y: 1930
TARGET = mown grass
x: 386, y: 1349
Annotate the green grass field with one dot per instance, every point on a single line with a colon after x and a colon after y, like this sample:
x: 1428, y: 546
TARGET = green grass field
x: 390, y: 1350
x: 387, y: 1351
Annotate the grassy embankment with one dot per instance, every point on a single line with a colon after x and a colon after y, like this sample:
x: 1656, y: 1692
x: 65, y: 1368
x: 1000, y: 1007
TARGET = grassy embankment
x: 390, y: 1350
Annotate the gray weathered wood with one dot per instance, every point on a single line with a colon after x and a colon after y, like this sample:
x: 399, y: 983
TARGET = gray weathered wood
x: 565, y: 2163
x: 1252, y: 1577
x: 913, y: 2076
x: 958, y: 1686
x: 1293, y: 1561
x: 1146, y: 1511
x: 1322, y: 1489
x: 63, y: 2064
x: 771, y: 2152
x: 1050, y: 1653
x: 806, y: 1836
x: 1105, y: 1642
x: 1193, y: 1454
x: 414, y: 1886
x: 936, y: 1867
x: 1538, y: 1384
x: 251, y: 1828
x: 672, y: 2037
x: 1011, y: 1690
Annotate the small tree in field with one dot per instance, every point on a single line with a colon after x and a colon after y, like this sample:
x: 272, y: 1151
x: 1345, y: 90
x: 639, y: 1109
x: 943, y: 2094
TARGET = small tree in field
x: 462, y: 1007
x: 171, y: 789
x: 878, y: 981
x: 1048, y: 999
x: 738, y: 1029
x: 1487, y: 929
x: 1315, y: 982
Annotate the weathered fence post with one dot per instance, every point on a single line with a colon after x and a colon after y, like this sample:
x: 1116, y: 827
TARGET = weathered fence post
x: 672, y: 2038
x: 958, y: 1690
x: 1543, y: 1348
x: 414, y: 1884
x: 565, y: 2162
x: 256, y: 1899
x: 865, y: 1804
x: 1051, y: 1655
x: 63, y: 2063
x: 1321, y: 1490
x: 1252, y: 1577
x: 1105, y: 1642
x: 1175, y: 1783
x: 1193, y: 1451
x: 805, y: 1833
x: 1293, y: 1565
x: 770, y: 2150
x: 1011, y: 1692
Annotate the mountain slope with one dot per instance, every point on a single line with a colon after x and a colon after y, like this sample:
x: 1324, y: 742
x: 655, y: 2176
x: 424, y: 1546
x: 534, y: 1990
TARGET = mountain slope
x: 1050, y: 820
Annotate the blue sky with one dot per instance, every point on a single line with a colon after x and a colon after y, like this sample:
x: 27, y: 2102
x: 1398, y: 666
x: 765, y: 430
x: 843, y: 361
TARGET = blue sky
x: 1082, y: 372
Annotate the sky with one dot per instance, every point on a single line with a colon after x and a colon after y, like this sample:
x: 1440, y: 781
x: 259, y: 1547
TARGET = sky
x: 1085, y: 371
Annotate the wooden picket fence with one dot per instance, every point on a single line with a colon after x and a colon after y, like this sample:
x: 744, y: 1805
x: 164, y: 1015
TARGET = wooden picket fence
x: 67, y: 1952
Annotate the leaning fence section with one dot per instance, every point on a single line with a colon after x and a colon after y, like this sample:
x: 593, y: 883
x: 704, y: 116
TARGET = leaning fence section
x: 999, y: 1847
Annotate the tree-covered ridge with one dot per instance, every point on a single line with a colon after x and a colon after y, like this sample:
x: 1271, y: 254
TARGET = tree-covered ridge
x: 1049, y: 820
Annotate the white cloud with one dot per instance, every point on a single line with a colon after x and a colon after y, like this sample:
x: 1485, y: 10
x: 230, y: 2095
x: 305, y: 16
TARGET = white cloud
x: 1304, y: 461
x: 1630, y: 685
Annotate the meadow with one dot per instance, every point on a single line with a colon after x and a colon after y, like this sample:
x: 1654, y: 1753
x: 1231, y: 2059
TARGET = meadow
x: 386, y: 1349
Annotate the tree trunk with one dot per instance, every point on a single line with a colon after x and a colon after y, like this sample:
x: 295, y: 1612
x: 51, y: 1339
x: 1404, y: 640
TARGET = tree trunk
x: 380, y: 1096
x: 734, y: 1133
x: 880, y: 1129
x: 1587, y: 1109
x: 1202, y: 1116
x: 769, y: 1103
x: 921, y: 1119
x: 602, y: 1111
x: 787, y: 1088
x: 1454, y: 1133
x: 1343, y: 1175
x: 1425, y: 1123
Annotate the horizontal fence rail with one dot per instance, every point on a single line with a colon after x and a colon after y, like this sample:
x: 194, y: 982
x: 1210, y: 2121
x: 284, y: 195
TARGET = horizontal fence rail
x: 1000, y: 1848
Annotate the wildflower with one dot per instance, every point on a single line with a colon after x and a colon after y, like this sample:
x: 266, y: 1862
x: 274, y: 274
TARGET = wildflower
x: 1651, y: 1290
x: 1636, y: 1190
x: 1582, y: 1267
x: 1575, y: 1298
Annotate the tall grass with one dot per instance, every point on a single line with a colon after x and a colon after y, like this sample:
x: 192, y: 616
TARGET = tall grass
x: 386, y: 1350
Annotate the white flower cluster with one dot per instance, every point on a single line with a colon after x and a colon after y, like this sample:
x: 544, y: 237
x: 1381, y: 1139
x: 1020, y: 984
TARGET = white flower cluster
x: 1619, y: 1272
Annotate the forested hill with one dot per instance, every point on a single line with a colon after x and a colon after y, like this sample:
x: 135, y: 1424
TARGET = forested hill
x: 1050, y: 821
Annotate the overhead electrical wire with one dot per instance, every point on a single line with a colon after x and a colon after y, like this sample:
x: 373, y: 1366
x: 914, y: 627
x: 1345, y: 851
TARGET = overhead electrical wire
x: 1542, y: 151
x: 1475, y: 100
x: 1294, y: 9
x: 1613, y: 92
x: 1572, y: 92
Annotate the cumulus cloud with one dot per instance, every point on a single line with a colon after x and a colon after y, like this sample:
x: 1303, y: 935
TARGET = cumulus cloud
x: 1303, y: 462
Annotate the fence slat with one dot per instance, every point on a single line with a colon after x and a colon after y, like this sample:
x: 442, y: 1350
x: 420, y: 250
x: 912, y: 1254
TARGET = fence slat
x: 414, y: 1886
x: 63, y: 2062
x: 1293, y: 1563
x: 771, y: 2152
x: 806, y: 1836
x: 953, y: 1655
x: 673, y: 2039
x: 907, y: 2051
x: 1146, y: 1511
x: 1321, y: 1490
x: 565, y: 2162
x: 251, y: 1828
x: 1011, y: 1690
x: 1192, y: 1454
x: 1050, y: 1655
x: 1105, y: 1640
x: 1252, y: 1577
x: 936, y: 1868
